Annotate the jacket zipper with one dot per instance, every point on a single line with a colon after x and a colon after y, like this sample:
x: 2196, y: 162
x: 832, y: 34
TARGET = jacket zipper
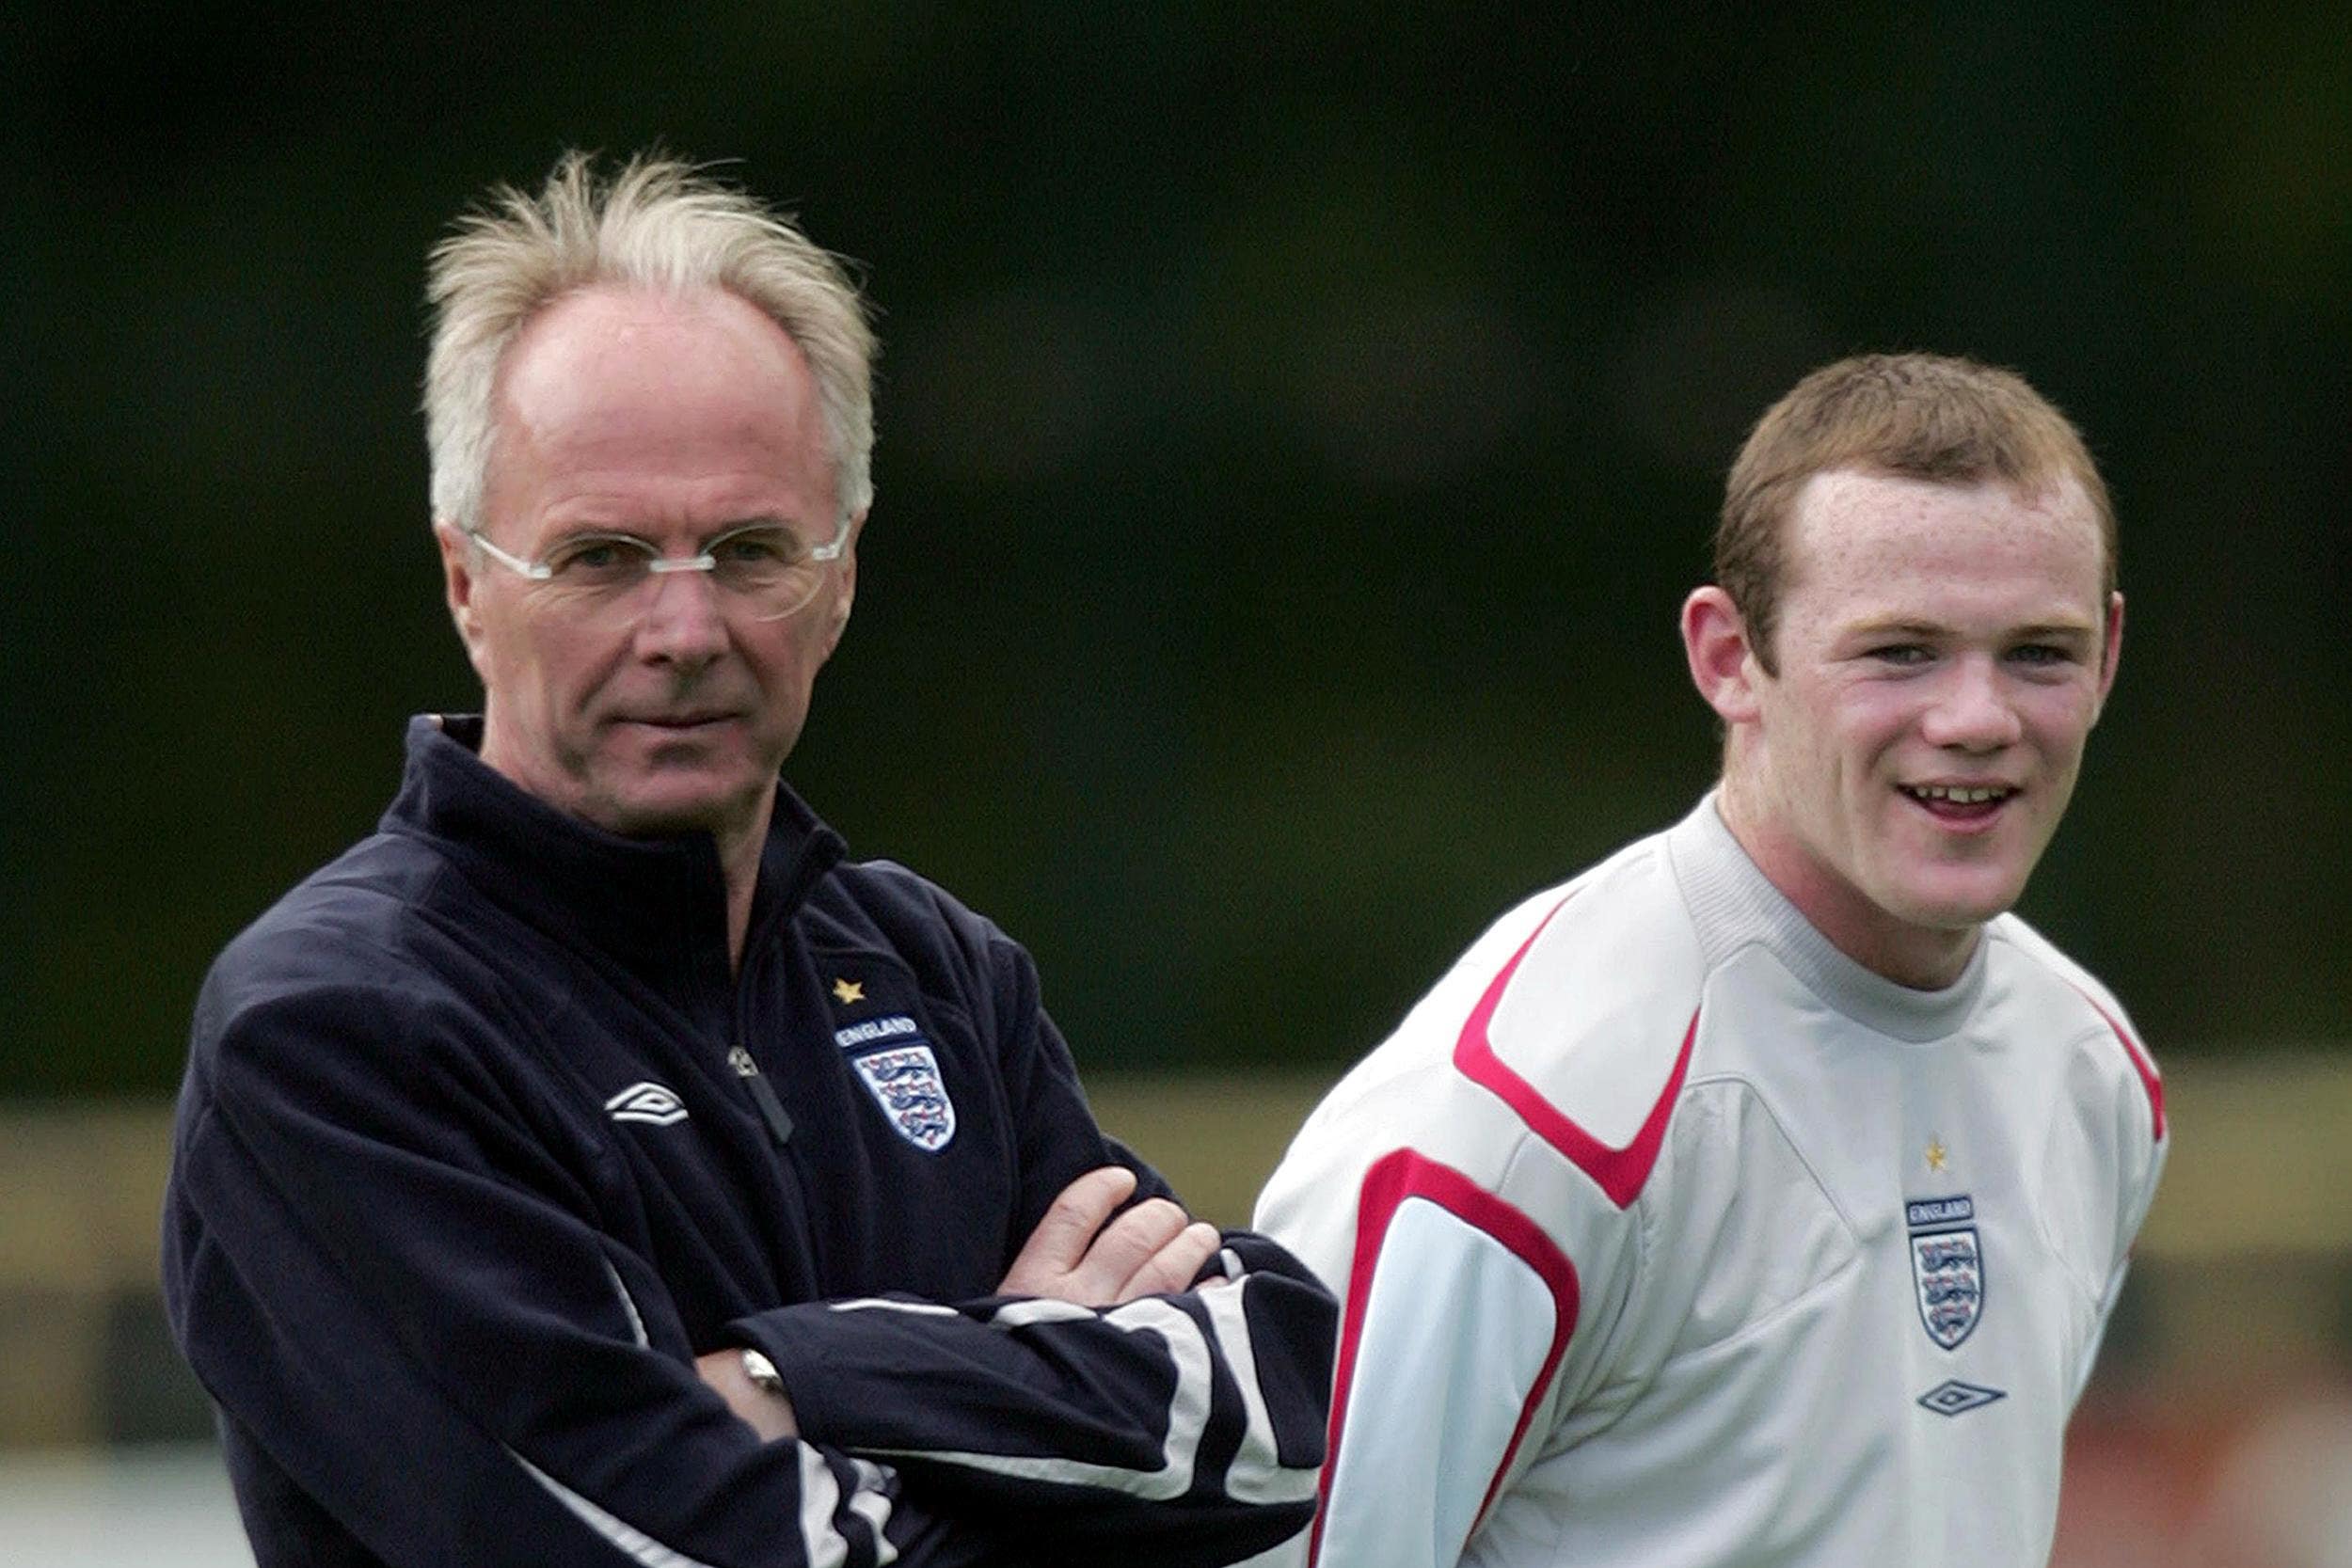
x: 815, y: 860
x: 763, y: 1095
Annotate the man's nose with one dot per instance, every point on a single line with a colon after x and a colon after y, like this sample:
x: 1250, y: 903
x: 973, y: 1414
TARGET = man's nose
x: 682, y: 620
x: 1972, y: 710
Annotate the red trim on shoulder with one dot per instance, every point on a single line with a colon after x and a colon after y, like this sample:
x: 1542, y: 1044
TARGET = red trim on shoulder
x: 2141, y: 1062
x: 1620, y: 1172
x: 1394, y: 1178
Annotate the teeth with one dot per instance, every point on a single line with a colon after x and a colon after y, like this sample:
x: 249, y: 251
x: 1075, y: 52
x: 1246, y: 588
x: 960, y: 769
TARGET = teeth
x: 1958, y: 794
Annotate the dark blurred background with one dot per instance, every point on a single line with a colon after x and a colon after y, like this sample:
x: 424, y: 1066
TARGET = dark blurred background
x: 1298, y: 426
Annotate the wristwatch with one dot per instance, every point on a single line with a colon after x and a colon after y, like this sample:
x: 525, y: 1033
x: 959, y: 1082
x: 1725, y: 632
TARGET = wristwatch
x: 763, y: 1374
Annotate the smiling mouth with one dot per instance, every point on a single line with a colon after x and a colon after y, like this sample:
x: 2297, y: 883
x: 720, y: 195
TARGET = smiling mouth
x: 1958, y: 803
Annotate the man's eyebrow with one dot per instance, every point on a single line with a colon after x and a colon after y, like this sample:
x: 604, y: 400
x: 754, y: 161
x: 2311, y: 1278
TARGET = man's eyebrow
x: 785, y: 522
x: 644, y: 535
x: 1901, y: 626
x: 1896, y: 626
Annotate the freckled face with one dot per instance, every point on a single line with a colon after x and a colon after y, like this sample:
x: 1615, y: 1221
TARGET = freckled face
x: 1944, y: 651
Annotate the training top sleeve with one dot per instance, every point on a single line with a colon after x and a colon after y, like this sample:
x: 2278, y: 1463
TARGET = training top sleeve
x: 1475, y: 1301
x: 2142, y: 1137
x: 1473, y: 1191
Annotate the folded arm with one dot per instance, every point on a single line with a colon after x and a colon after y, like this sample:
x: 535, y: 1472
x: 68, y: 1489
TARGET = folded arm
x: 417, y: 1347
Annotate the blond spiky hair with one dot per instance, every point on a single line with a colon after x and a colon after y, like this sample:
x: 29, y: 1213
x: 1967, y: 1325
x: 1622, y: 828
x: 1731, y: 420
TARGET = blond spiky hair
x: 661, y: 224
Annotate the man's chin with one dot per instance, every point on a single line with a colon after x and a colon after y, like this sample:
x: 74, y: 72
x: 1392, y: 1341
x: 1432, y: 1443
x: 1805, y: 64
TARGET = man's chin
x: 1957, y: 904
x: 676, y: 811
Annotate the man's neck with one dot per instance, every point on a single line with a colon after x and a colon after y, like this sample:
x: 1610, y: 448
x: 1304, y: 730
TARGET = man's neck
x: 740, y: 852
x: 1923, y: 958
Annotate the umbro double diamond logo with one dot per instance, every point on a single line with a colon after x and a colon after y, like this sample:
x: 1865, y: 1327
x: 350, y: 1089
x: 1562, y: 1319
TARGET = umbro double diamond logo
x: 648, y: 1102
x: 1952, y: 1397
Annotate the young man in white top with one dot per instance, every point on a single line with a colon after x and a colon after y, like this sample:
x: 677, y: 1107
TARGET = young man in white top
x: 1759, y: 1197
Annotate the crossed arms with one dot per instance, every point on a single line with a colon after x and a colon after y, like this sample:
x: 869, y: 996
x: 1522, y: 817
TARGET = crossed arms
x: 421, y: 1346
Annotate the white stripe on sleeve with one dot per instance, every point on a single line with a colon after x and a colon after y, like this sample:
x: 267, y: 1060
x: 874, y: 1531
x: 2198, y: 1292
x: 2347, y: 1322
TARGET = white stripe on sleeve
x: 820, y: 1500
x: 628, y: 1302
x: 884, y: 1304
x: 871, y: 1503
x: 820, y: 1496
x: 1256, y: 1474
x: 1187, y: 1408
x: 635, y: 1544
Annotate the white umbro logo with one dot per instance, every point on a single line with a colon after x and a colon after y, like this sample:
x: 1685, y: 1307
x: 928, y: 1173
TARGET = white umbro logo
x: 648, y: 1102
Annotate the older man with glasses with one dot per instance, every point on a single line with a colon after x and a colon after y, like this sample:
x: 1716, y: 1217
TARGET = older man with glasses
x: 593, y: 1166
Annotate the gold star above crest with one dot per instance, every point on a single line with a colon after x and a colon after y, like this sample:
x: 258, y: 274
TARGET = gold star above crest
x: 846, y: 991
x: 1938, y: 1156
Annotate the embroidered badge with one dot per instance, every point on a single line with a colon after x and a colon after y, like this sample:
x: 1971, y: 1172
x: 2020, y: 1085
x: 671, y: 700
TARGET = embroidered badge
x: 906, y: 1084
x: 846, y: 991
x: 648, y: 1102
x: 1947, y: 1267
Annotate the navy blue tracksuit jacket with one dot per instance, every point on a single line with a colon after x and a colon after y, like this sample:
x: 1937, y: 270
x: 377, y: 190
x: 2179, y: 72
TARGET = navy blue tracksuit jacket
x: 482, y: 1142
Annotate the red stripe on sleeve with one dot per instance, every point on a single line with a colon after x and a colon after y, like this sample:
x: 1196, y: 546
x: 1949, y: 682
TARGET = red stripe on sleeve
x: 1392, y: 1181
x: 2141, y: 1062
x: 1620, y: 1172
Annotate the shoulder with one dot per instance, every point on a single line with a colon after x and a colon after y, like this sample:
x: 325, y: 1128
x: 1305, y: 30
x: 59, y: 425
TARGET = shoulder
x: 883, y: 893
x: 351, y: 922
x: 1575, y: 1013
x: 1571, y: 990
x: 882, y: 904
x: 1585, y: 1027
x: 1541, y: 1069
x: 2050, y: 985
x: 881, y: 912
x: 2096, y: 1088
x: 363, y: 968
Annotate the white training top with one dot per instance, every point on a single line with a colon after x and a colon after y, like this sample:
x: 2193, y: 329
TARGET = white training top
x: 1667, y: 1234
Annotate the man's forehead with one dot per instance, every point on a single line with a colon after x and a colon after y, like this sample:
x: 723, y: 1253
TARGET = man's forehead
x: 608, y: 362
x: 1884, y: 546
x: 616, y: 327
x: 623, y: 407
x: 1846, y: 516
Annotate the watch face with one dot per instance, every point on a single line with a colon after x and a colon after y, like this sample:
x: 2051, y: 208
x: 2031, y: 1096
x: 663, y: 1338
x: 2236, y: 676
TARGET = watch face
x: 762, y: 1371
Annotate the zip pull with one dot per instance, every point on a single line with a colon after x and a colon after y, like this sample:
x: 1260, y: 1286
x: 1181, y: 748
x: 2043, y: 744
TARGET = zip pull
x: 770, y: 1108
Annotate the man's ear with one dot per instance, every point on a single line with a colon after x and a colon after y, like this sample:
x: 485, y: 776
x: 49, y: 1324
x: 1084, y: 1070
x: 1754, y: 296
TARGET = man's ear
x: 458, y: 583
x: 2111, y: 652
x: 1723, y: 666
x: 845, y: 593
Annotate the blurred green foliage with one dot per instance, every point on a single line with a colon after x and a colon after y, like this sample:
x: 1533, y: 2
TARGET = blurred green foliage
x: 1298, y: 426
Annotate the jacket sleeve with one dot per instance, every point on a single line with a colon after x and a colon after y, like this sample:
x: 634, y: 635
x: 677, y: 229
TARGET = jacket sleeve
x: 1178, y: 1428
x: 371, y: 1263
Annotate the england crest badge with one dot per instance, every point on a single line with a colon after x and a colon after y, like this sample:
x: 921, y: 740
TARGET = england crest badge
x: 906, y: 1084
x: 1947, y: 1267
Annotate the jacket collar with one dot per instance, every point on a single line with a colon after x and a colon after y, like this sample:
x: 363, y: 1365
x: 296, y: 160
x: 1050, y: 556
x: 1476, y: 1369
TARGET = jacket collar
x: 657, y: 907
